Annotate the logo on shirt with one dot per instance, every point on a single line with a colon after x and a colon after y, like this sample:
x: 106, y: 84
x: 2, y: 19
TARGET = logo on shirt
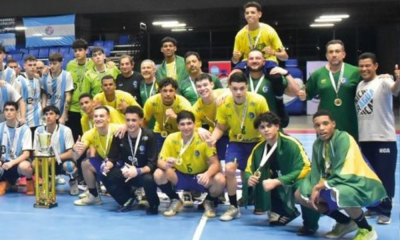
x: 196, y: 153
x: 145, y: 138
x: 251, y: 115
x: 365, y: 102
x: 142, y: 148
x: 384, y: 150
x: 323, y: 81
x: 30, y: 100
x: 343, y: 80
x: 135, y: 84
x: 265, y: 89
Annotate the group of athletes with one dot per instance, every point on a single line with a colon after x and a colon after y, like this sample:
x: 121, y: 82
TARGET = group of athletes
x: 168, y: 128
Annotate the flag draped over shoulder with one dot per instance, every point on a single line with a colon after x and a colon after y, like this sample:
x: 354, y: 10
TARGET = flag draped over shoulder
x: 8, y: 40
x: 49, y: 31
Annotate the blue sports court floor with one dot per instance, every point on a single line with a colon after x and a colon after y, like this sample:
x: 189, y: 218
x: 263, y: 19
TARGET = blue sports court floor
x: 19, y: 220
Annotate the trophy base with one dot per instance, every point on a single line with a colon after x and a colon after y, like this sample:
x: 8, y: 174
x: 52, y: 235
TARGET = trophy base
x: 45, y: 205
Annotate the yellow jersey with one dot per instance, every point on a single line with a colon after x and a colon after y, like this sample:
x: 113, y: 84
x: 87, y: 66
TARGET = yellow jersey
x: 88, y: 124
x: 154, y: 107
x: 230, y: 115
x: 120, y: 96
x: 99, y: 142
x: 194, y: 158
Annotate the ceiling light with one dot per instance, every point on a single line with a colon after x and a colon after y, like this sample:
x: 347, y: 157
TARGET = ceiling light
x: 316, y: 25
x: 335, y: 16
x: 178, y: 30
x: 328, y: 20
x: 173, y: 25
x: 158, y: 23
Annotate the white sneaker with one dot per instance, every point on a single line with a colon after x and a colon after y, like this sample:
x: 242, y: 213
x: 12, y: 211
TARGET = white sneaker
x: 209, y: 209
x: 60, y: 180
x: 174, y: 207
x: 84, y: 194
x: 187, y: 199
x: 385, y: 220
x: 89, y: 200
x: 230, y: 214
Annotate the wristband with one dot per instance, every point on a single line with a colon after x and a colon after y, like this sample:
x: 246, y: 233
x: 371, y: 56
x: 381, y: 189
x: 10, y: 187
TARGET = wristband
x: 139, y: 171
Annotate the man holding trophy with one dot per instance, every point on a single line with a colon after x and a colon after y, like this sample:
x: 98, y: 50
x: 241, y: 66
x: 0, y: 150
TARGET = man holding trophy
x: 16, y: 144
x: 55, y: 138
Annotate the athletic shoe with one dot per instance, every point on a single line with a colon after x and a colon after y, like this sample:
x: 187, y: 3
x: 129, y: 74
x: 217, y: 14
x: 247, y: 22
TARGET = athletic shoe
x: 21, y: 181
x: 365, y: 234
x: 30, y: 189
x: 385, y: 220
x: 60, y: 180
x: 187, y: 199
x: 82, y: 185
x: 230, y: 214
x: 257, y: 211
x: 73, y: 187
x: 127, y: 206
x: 305, y: 231
x: 174, y: 207
x: 370, y: 214
x: 209, y: 209
x: 89, y: 200
x: 339, y: 230
x: 3, y: 187
x: 84, y: 194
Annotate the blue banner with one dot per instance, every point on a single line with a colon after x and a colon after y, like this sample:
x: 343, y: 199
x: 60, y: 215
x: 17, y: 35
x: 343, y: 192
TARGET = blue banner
x: 8, y: 40
x: 49, y: 31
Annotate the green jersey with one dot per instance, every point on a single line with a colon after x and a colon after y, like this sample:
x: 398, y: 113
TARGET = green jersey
x: 93, y: 78
x: 78, y: 75
x: 187, y: 88
x: 319, y: 83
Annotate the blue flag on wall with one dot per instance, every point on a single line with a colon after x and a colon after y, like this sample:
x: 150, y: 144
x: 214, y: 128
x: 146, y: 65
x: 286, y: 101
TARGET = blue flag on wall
x: 8, y: 40
x: 49, y: 31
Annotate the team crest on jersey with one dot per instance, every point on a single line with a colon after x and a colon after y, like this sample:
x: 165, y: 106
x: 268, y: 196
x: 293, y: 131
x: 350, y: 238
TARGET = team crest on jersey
x: 30, y: 100
x: 196, y: 153
x: 145, y: 138
x: 135, y: 84
x: 343, y: 80
x: 251, y: 115
x: 155, y: 104
x: 265, y: 89
x: 142, y: 148
x: 323, y: 81
x: 49, y: 30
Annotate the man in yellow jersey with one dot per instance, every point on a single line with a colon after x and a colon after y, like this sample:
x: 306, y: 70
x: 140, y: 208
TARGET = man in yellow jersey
x: 88, y: 106
x: 117, y: 99
x: 256, y: 35
x: 78, y: 67
x: 173, y: 65
x: 205, y: 110
x: 99, y: 139
x: 276, y: 167
x: 186, y: 162
x: 93, y: 76
x: 237, y: 113
x: 164, y: 107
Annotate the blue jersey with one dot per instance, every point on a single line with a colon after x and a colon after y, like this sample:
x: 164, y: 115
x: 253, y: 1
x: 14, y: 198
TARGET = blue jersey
x: 14, y: 141
x: 55, y: 88
x: 30, y: 91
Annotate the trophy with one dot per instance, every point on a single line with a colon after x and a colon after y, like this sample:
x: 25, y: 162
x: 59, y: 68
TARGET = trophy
x: 45, y: 143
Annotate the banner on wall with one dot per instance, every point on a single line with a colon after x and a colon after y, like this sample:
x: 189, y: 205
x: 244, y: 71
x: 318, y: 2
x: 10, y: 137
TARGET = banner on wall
x: 221, y: 69
x: 49, y: 31
x: 8, y: 40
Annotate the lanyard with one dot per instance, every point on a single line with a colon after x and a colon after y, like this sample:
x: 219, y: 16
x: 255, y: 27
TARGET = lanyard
x: 339, y: 81
x: 107, y: 141
x: 12, y: 142
x: 243, y: 115
x: 258, y: 84
x: 151, y: 89
x: 267, y: 154
x: 193, y: 87
x: 253, y: 46
x: 185, y: 147
x: 133, y: 152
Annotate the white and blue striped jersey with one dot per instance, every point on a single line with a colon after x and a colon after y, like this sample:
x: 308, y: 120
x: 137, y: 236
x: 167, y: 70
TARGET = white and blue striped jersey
x: 7, y: 93
x: 30, y: 92
x: 14, y: 141
x: 9, y: 75
x: 55, y: 88
x: 61, y: 139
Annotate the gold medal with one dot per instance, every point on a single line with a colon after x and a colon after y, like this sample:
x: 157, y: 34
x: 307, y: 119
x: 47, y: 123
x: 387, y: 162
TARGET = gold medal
x: 257, y: 174
x: 164, y: 134
x: 178, y: 161
x: 338, y: 102
x: 239, y: 137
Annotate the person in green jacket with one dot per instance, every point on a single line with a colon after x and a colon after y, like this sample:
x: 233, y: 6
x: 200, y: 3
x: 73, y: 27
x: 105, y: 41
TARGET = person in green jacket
x: 340, y: 179
x: 173, y: 65
x: 276, y: 167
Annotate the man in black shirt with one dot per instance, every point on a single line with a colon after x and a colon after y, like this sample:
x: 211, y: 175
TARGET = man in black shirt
x: 128, y: 80
x: 134, y: 159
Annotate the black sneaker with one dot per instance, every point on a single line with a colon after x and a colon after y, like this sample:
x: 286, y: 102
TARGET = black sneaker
x: 127, y: 206
x: 153, y: 210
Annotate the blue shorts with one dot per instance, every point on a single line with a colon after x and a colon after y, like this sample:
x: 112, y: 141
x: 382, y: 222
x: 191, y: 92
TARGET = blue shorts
x: 188, y: 182
x: 239, y: 153
x: 222, y: 145
x: 98, y: 163
x: 329, y: 199
x: 160, y: 141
